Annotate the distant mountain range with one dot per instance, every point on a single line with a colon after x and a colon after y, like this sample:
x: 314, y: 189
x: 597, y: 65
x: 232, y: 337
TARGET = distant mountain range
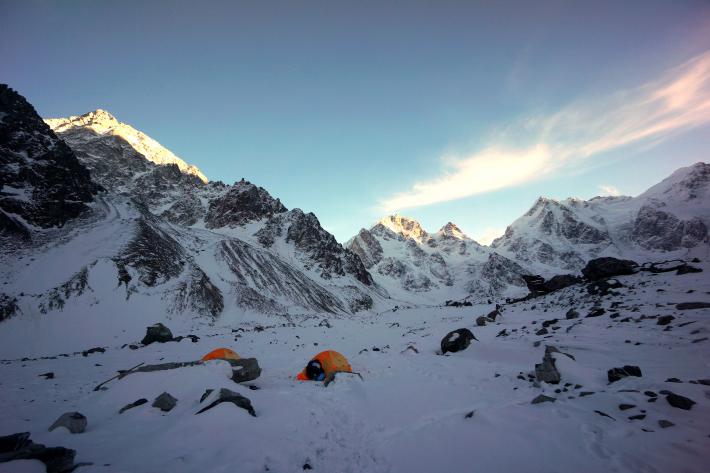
x: 97, y: 215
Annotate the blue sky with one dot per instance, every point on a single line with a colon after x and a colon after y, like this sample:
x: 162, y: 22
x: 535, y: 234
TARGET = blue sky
x: 461, y: 111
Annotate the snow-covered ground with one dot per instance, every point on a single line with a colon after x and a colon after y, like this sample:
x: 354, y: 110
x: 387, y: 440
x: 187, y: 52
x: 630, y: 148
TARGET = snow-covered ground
x: 411, y: 412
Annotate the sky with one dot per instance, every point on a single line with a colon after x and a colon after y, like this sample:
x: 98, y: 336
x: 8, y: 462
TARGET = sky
x: 440, y: 111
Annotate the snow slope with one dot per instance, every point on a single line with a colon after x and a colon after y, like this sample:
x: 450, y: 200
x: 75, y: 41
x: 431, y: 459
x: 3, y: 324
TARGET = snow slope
x: 669, y: 220
x: 415, y: 412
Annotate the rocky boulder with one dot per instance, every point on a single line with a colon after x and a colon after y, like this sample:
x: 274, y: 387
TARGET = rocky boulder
x: 74, y: 422
x: 157, y: 333
x: 457, y: 340
x: 606, y: 267
x: 615, y: 374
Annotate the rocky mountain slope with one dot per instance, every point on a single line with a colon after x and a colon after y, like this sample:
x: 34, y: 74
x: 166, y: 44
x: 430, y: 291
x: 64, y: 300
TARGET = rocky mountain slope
x: 98, y: 125
x: 42, y: 184
x: 159, y: 238
x: 669, y: 220
x: 414, y: 265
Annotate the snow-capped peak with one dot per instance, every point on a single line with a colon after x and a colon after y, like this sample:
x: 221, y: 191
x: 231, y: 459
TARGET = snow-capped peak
x: 102, y: 122
x: 451, y: 230
x: 404, y: 226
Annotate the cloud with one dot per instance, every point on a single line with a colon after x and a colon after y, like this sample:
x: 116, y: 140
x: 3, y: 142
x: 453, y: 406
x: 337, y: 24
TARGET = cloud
x: 609, y: 190
x: 675, y: 102
x: 488, y: 235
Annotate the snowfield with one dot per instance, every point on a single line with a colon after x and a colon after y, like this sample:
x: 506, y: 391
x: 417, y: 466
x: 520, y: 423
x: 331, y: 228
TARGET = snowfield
x: 413, y: 411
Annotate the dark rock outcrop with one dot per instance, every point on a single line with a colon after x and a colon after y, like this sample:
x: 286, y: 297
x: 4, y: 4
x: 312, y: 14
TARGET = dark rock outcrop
x: 606, y: 267
x: 41, y: 180
x: 243, y: 203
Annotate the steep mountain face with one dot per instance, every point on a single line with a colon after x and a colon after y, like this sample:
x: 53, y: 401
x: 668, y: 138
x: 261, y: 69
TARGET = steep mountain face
x: 164, y: 239
x: 99, y: 124
x: 669, y: 220
x: 42, y: 184
x: 415, y: 265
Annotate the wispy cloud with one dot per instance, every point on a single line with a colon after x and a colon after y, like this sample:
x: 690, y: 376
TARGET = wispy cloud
x: 676, y: 101
x: 609, y: 190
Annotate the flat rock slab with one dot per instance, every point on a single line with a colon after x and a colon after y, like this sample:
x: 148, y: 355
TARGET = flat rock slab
x: 692, y: 305
x: 165, y: 402
x: 74, y: 422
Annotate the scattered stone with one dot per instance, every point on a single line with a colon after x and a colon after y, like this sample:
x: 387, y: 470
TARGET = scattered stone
x: 638, y: 417
x: 599, y: 311
x: 93, y: 350
x: 681, y: 402
x: 547, y: 371
x: 542, y: 398
x: 469, y: 415
x: 226, y: 395
x: 74, y: 422
x: 586, y: 393
x: 542, y: 331
x: 665, y: 320
x: 572, y: 314
x: 137, y: 403
x: 650, y: 394
x: 502, y: 333
x: 157, y: 333
x: 547, y: 323
x: 457, y: 340
x: 704, y: 382
x: 604, y: 414
x: 165, y: 402
x: 665, y: 423
x: 307, y: 466
x: 625, y: 407
x: 205, y: 394
x: 606, y: 267
x: 48, y: 375
x: 615, y: 374
x: 692, y: 305
x: 673, y: 380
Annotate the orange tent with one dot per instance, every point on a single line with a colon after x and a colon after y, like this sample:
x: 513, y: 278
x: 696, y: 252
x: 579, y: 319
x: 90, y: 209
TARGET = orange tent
x: 331, y: 361
x: 221, y: 354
